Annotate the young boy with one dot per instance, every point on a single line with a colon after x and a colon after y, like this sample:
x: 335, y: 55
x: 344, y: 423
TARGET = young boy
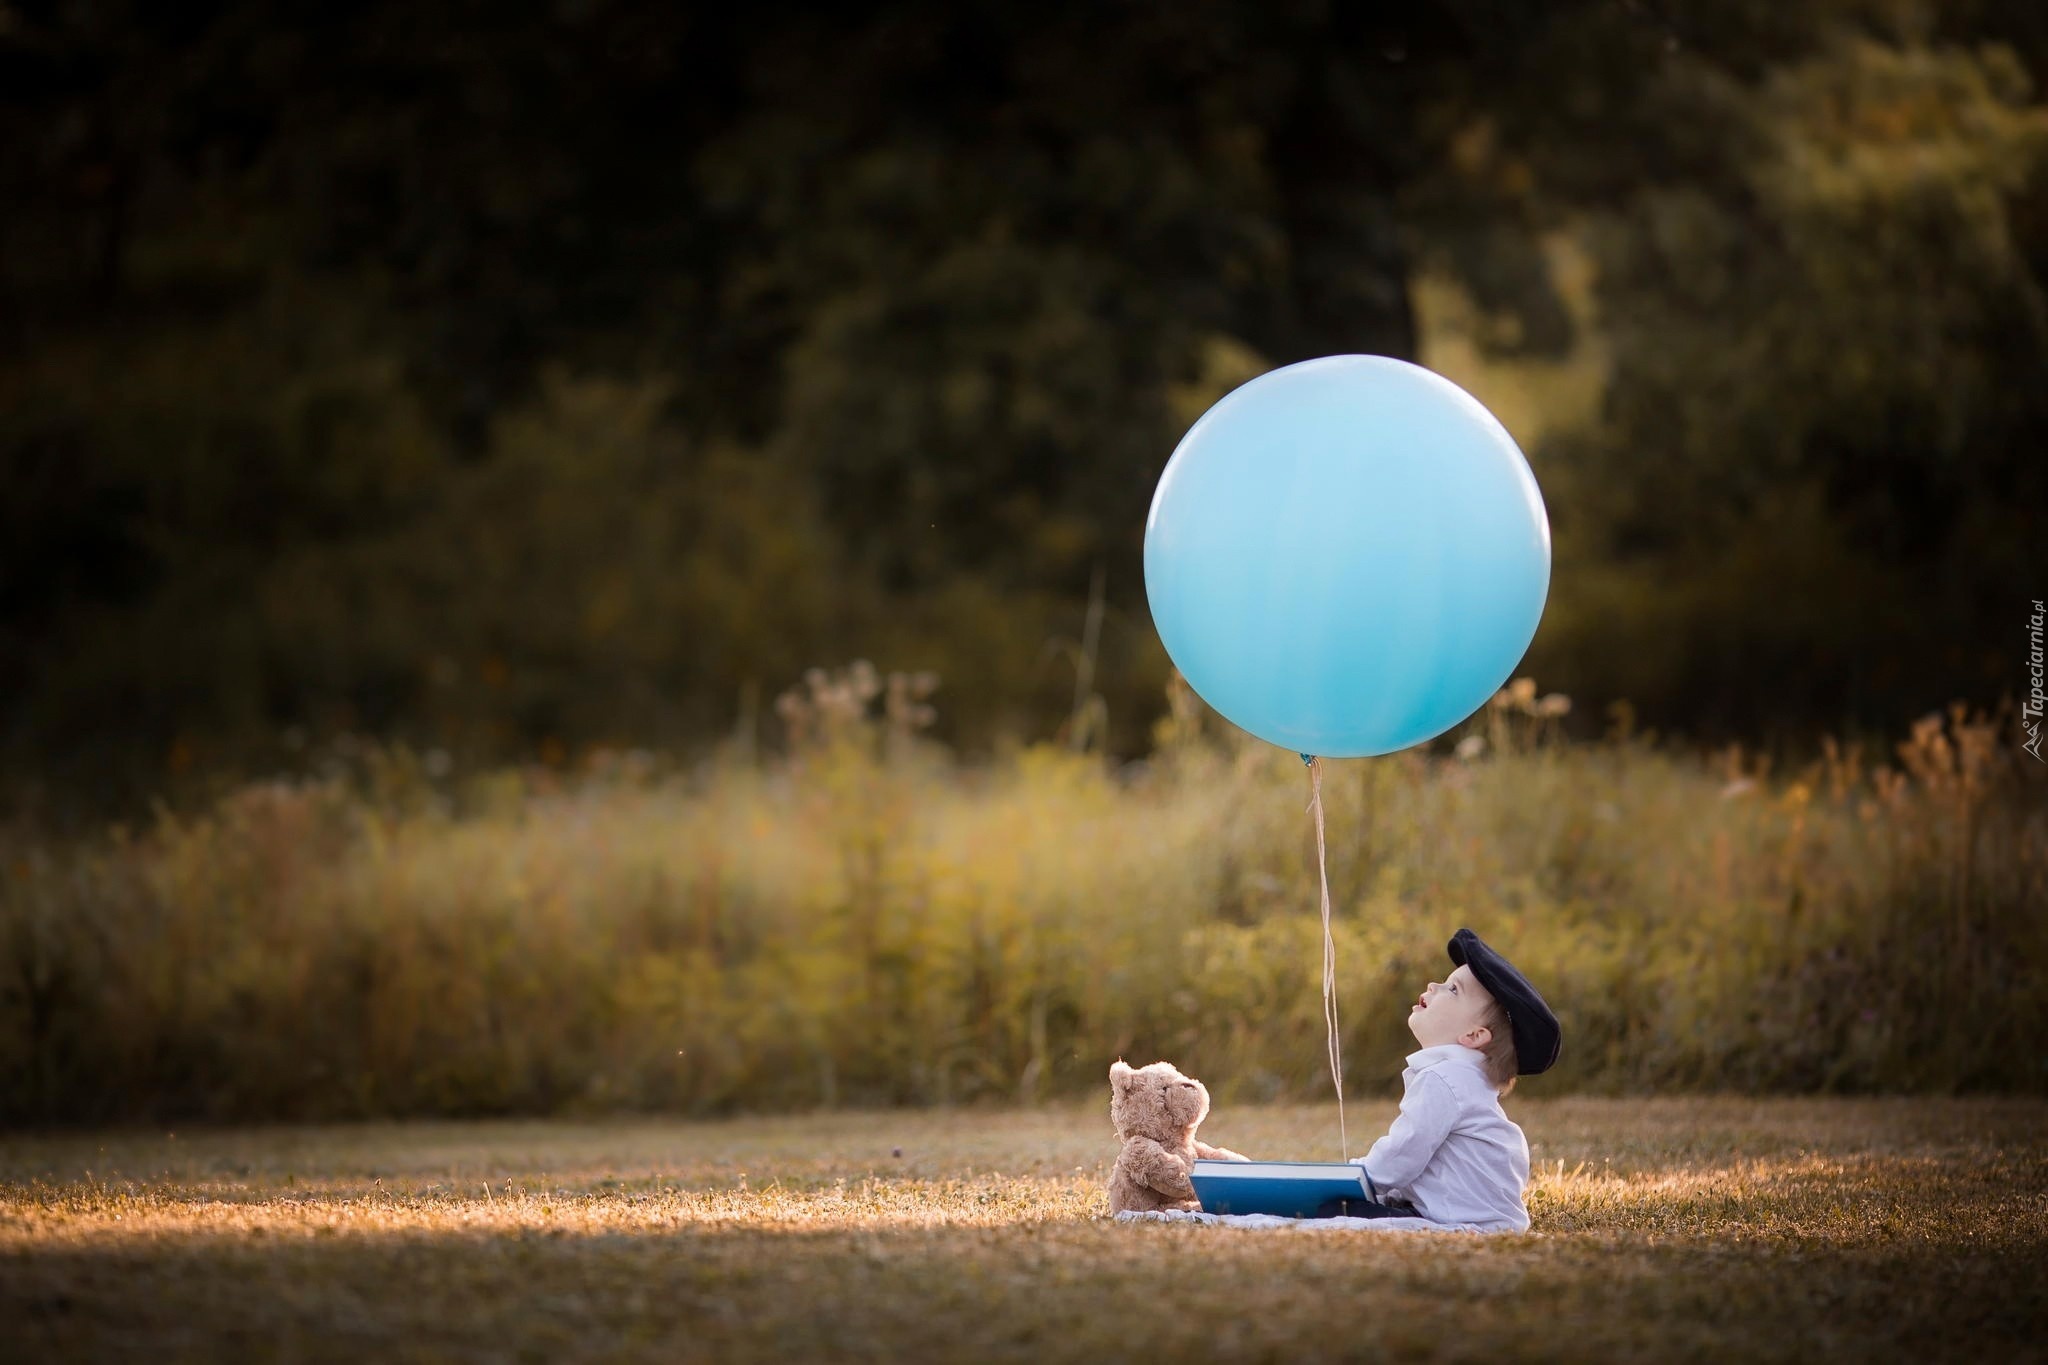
x: 1453, y: 1156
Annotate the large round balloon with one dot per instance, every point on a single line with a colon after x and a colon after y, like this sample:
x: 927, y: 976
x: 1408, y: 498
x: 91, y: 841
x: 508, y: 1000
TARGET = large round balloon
x: 1347, y: 556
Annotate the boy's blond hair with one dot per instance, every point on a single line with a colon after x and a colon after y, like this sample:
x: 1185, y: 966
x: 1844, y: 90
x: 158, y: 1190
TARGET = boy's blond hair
x: 1499, y: 1052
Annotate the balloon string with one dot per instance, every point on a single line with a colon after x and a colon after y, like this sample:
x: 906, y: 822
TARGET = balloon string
x: 1332, y: 1036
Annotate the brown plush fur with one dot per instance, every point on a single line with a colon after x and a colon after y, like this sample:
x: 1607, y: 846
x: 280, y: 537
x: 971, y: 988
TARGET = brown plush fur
x: 1156, y: 1111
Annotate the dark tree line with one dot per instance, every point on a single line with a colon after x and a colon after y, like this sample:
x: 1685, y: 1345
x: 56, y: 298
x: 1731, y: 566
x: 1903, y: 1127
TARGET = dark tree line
x: 485, y: 375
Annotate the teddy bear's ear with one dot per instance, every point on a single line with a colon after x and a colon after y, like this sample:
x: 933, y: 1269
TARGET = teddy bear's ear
x: 1120, y: 1075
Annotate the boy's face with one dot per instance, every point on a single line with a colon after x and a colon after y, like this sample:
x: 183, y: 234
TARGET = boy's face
x: 1450, y: 1011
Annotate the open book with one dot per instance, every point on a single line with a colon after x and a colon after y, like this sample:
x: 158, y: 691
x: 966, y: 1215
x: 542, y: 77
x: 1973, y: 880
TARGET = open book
x: 1293, y: 1189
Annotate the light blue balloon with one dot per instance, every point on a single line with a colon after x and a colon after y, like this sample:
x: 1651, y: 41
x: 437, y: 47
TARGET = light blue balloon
x: 1347, y: 556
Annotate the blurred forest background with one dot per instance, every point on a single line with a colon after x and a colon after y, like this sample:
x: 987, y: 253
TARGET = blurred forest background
x: 513, y: 378
x: 451, y: 453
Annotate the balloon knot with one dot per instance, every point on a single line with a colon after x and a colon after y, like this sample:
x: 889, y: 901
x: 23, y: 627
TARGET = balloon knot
x: 1308, y: 760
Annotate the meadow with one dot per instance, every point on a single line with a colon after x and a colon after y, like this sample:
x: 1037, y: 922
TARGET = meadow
x: 863, y: 920
x: 1665, y: 1229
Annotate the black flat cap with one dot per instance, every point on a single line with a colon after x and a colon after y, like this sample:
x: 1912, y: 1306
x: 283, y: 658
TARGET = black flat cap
x: 1529, y: 1019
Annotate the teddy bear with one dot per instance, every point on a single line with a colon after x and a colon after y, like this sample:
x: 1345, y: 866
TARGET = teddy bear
x: 1156, y: 1111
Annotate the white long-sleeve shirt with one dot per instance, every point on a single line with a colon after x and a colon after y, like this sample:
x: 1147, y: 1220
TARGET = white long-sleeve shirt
x: 1453, y: 1152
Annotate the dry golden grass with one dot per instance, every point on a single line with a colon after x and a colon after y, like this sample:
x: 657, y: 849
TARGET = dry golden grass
x: 1664, y: 1229
x: 850, y: 925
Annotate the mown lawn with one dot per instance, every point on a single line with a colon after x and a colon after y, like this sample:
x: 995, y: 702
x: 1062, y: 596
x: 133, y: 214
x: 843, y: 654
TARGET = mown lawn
x: 1705, y: 1229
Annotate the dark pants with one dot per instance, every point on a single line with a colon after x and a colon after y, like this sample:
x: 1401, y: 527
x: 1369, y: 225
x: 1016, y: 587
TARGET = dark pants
x: 1365, y: 1208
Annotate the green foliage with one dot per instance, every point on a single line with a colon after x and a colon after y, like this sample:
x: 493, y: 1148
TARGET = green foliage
x: 569, y: 374
x: 868, y: 922
x: 1817, y: 451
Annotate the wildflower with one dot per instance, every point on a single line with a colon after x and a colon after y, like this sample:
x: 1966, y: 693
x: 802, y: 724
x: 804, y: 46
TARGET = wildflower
x: 1519, y: 695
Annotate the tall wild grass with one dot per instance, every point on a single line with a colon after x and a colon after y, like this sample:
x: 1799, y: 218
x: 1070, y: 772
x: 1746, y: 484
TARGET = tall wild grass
x: 866, y: 921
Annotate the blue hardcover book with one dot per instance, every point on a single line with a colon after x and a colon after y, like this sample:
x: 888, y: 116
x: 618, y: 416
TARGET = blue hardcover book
x: 1292, y: 1189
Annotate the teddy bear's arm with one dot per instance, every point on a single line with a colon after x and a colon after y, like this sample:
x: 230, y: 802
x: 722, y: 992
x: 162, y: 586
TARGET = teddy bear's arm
x: 1159, y: 1169
x: 1208, y: 1153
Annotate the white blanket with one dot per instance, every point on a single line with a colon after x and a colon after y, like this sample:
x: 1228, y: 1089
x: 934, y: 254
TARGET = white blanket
x: 1274, y: 1220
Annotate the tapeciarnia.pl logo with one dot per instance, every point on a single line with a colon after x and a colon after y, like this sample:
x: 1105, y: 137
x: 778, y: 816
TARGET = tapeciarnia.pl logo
x: 2030, y: 712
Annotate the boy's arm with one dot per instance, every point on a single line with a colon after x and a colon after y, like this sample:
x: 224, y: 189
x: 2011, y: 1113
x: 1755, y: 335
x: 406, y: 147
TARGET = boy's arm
x: 1427, y: 1113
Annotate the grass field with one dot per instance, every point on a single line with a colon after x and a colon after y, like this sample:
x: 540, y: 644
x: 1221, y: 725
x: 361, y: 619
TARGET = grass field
x: 1703, y: 1229
x: 849, y: 926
